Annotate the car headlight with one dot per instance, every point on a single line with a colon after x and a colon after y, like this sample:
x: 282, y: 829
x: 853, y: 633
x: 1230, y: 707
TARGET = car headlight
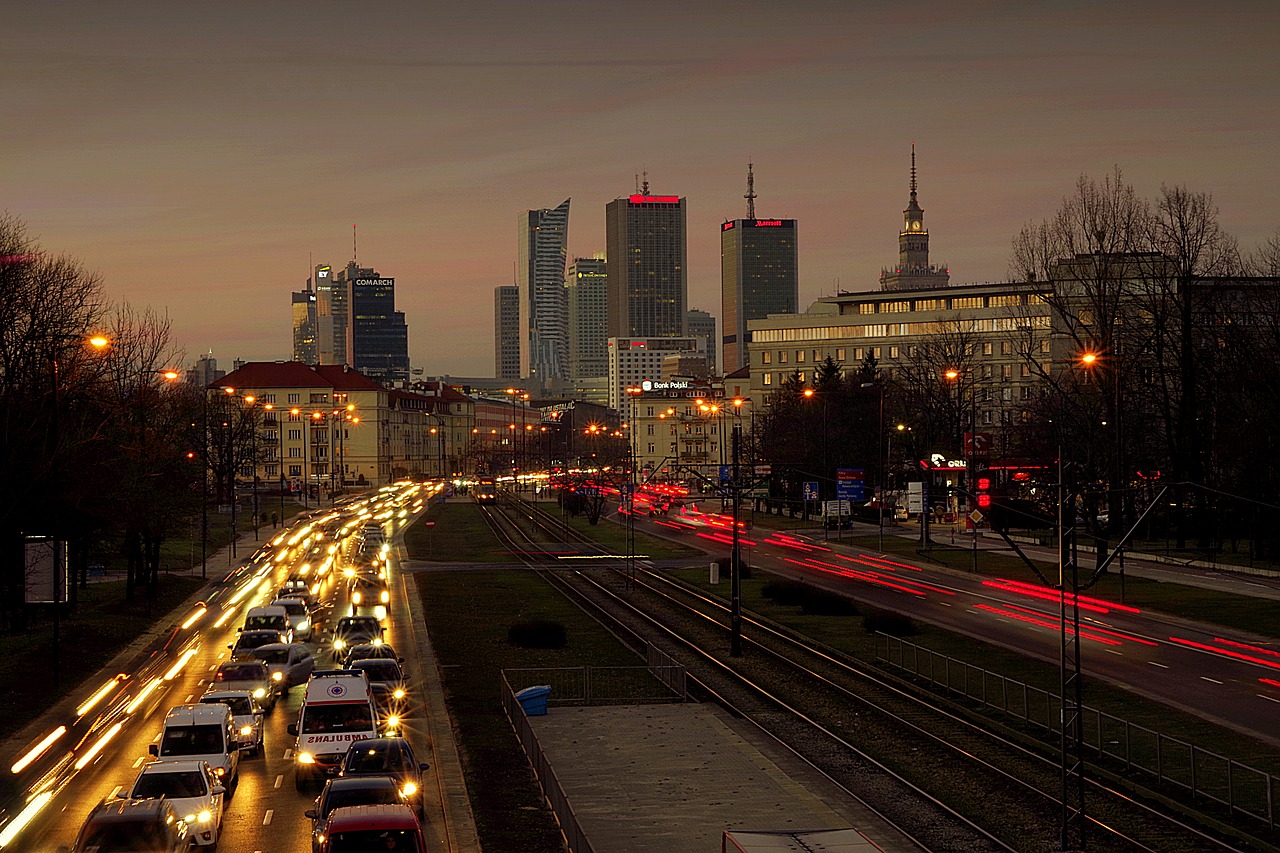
x: 246, y: 730
x: 190, y: 818
x: 220, y: 771
x: 393, y: 721
x: 356, y: 597
x: 339, y: 644
x: 377, y: 641
x: 277, y: 676
x: 399, y: 693
x: 206, y: 815
x: 386, y: 596
x: 409, y: 789
x: 306, y: 758
x: 259, y: 693
x: 303, y: 625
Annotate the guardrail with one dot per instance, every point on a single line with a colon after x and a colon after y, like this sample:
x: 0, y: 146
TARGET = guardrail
x: 1242, y: 789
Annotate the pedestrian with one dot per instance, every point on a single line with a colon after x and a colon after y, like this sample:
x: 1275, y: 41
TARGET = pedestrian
x: 275, y: 521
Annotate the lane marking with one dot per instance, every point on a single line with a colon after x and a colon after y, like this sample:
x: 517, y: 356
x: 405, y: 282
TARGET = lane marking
x: 1269, y: 698
x: 288, y: 755
x: 1114, y: 652
x: 279, y: 779
x: 1207, y: 678
x: 114, y: 791
x: 266, y: 819
x: 212, y: 667
x: 187, y: 701
x: 142, y: 759
x: 1153, y: 663
x: 945, y: 603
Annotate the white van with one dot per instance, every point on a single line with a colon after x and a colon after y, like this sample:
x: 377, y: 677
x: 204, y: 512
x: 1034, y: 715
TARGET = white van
x: 337, y: 709
x: 269, y: 618
x: 201, y: 733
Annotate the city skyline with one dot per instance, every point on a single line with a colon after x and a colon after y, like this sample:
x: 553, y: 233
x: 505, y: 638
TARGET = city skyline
x: 162, y: 147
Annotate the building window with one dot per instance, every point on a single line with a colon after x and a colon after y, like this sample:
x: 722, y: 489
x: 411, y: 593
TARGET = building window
x: 295, y: 435
x: 799, y: 356
x: 768, y: 379
x: 1006, y: 372
x: 867, y: 308
x: 1006, y: 394
x: 295, y: 398
x: 986, y: 418
x: 967, y: 302
x: 766, y: 357
x: 857, y: 354
x: 893, y: 352
x: 817, y: 356
x: 319, y: 398
x: 875, y: 353
x: 1044, y: 346
x: 651, y: 448
x: 986, y: 348
x: 268, y: 398
x: 782, y: 356
x: 800, y: 375
x: 1026, y: 371
x: 1006, y: 348
x: 295, y: 452
x: 295, y: 470
x: 840, y: 354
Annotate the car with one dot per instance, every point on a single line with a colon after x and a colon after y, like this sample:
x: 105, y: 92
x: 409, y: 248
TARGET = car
x: 355, y: 791
x: 247, y: 641
x: 302, y: 593
x: 290, y: 664
x: 369, y: 596
x: 387, y: 682
x: 358, y: 829
x: 299, y: 613
x: 270, y: 618
x: 134, y: 826
x: 246, y: 674
x: 387, y: 756
x: 191, y: 787
x: 246, y: 714
x: 354, y: 630
x: 364, y: 651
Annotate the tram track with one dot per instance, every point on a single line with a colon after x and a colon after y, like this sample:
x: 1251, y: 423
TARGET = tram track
x: 862, y: 727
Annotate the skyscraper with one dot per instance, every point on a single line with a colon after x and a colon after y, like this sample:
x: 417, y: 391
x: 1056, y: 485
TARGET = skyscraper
x: 647, y: 274
x: 586, y: 292
x: 304, y: 325
x: 913, y: 269
x: 506, y: 331
x: 331, y: 317
x: 544, y: 338
x: 377, y: 336
x: 759, y: 274
x: 702, y: 324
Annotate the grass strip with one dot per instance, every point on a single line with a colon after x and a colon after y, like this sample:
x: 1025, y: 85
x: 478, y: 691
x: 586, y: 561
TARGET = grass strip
x: 468, y: 615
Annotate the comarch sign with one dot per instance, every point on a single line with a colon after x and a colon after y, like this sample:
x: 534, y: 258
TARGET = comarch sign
x: 674, y: 385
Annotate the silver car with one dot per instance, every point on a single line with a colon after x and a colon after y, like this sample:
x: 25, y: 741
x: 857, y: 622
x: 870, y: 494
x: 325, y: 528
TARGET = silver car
x: 289, y: 664
x: 247, y: 713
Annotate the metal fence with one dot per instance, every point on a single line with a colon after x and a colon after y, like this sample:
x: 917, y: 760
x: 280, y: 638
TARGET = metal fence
x: 663, y: 680
x: 1242, y: 789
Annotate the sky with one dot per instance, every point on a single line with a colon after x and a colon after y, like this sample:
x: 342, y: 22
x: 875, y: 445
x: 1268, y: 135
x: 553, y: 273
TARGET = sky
x: 202, y: 156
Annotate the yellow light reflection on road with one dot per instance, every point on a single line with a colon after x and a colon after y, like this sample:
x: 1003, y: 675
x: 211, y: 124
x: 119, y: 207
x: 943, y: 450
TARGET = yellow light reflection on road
x: 142, y: 695
x: 24, y: 817
x: 38, y: 750
x: 84, y: 760
x: 226, y: 614
x: 100, y: 695
x: 182, y: 661
x: 194, y: 617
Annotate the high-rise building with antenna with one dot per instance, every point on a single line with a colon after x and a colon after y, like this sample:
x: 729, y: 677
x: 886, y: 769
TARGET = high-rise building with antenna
x: 759, y: 274
x: 913, y: 270
x: 304, y: 325
x: 544, y: 322
x: 648, y: 285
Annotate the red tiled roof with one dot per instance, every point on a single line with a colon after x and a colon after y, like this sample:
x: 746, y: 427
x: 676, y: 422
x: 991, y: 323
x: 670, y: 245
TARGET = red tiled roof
x: 272, y: 374
x: 344, y: 378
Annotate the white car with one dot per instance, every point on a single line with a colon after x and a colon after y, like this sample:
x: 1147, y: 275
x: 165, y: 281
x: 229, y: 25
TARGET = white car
x: 193, y: 790
x: 299, y: 616
x: 246, y: 713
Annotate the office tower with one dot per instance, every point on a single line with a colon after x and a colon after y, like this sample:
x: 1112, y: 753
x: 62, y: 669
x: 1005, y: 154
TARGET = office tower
x: 702, y: 324
x: 205, y: 371
x: 647, y: 274
x: 913, y: 270
x: 586, y: 292
x: 759, y: 274
x: 304, y: 325
x: 506, y: 331
x: 544, y: 339
x: 331, y: 317
x: 633, y: 361
x: 377, y: 337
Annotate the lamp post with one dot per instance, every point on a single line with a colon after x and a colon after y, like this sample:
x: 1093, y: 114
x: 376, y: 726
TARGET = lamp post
x: 953, y: 375
x: 280, y: 455
x: 249, y: 400
x: 808, y: 394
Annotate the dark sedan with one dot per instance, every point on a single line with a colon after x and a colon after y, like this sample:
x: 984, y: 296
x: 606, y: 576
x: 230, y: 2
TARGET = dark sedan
x: 389, y: 757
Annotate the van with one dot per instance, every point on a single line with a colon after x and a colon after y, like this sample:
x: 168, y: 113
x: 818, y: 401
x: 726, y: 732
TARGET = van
x: 201, y: 733
x: 269, y: 618
x: 337, y: 708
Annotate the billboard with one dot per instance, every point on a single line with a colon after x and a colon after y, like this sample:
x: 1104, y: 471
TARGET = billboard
x: 45, y: 559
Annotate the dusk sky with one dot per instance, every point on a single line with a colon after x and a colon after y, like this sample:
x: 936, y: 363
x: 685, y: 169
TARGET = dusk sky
x: 201, y: 155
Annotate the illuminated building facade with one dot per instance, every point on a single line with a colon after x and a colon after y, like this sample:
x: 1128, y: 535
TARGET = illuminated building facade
x: 587, y: 297
x: 544, y: 338
x: 759, y: 276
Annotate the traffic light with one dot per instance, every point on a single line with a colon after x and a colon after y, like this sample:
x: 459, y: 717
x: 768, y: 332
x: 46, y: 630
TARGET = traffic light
x: 982, y: 483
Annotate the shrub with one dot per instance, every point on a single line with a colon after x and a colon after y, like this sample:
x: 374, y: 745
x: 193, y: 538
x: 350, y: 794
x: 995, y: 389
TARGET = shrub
x: 810, y: 599
x: 889, y: 622
x: 537, y: 634
x: 744, y: 570
x: 788, y: 593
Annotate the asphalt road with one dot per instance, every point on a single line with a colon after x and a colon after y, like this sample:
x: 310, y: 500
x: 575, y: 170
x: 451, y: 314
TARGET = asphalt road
x: 265, y: 812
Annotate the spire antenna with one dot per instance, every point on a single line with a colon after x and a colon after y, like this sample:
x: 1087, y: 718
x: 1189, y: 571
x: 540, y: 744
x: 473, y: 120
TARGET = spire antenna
x: 751, y: 190
x: 355, y: 256
x: 913, y: 170
x: 644, y: 186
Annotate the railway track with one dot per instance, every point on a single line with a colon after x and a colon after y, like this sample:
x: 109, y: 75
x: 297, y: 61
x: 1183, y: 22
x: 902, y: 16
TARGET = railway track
x: 947, y: 779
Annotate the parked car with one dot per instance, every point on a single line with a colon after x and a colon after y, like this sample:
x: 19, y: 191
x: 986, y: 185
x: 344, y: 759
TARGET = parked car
x: 356, y: 791
x: 387, y: 756
x: 191, y: 787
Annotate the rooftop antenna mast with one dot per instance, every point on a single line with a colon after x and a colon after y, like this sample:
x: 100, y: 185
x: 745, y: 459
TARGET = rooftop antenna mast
x: 644, y: 186
x: 355, y: 256
x: 751, y: 191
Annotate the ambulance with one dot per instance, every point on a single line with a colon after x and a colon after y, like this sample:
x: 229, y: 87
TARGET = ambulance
x: 337, y: 708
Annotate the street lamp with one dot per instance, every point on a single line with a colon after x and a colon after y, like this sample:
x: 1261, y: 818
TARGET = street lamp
x: 280, y: 454
x: 953, y: 375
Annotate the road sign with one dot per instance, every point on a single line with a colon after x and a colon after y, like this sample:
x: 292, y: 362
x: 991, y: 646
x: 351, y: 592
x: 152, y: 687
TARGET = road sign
x: 764, y: 470
x: 850, y: 485
x: 810, y: 491
x: 976, y: 517
x: 726, y: 473
x: 916, y: 500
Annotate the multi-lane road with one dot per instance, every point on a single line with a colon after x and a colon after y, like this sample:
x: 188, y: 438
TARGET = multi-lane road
x: 1218, y: 674
x: 94, y: 744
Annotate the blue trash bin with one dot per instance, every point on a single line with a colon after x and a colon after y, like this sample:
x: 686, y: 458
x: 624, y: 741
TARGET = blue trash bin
x: 533, y: 700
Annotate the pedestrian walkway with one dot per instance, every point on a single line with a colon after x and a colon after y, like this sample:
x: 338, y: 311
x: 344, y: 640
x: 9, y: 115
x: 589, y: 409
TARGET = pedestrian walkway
x: 675, y: 777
